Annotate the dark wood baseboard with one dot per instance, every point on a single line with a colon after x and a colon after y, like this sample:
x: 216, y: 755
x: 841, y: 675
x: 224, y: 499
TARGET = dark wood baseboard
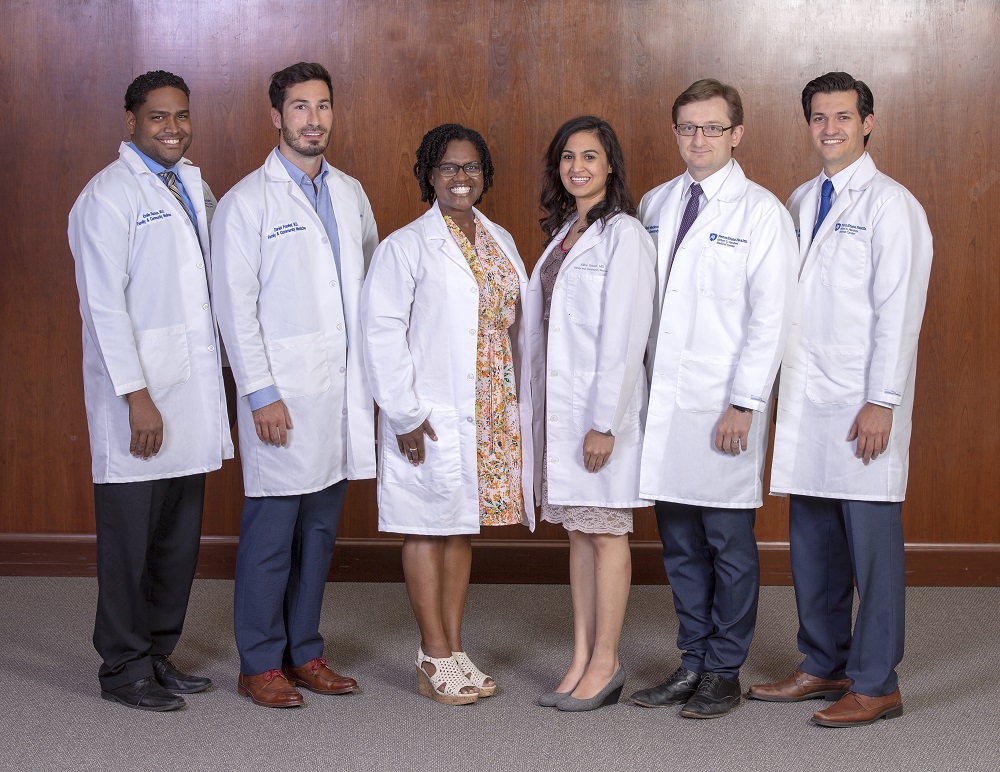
x: 494, y: 561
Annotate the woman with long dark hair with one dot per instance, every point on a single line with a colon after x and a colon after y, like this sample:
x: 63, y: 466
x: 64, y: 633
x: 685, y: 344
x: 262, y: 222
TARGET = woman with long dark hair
x: 589, y: 309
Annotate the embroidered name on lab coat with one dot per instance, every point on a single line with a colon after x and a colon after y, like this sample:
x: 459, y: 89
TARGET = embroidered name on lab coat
x: 283, y: 230
x: 592, y: 267
x: 148, y: 217
x: 725, y: 241
x: 846, y: 229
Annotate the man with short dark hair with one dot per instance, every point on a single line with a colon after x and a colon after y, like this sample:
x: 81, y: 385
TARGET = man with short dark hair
x: 293, y: 240
x: 841, y: 446
x: 153, y: 387
x: 725, y: 270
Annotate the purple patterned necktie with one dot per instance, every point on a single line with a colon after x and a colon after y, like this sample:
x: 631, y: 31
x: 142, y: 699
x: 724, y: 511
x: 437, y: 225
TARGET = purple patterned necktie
x: 690, y: 214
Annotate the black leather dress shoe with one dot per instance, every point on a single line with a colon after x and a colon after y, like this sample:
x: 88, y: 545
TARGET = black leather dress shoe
x: 716, y: 696
x: 678, y: 688
x: 144, y: 694
x: 174, y: 680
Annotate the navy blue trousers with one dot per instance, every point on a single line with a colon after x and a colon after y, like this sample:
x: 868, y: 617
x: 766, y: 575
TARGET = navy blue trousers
x: 711, y: 560
x: 148, y: 534
x: 835, y: 545
x: 286, y: 545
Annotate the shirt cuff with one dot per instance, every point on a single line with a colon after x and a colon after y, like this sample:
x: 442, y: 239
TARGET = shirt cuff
x: 263, y: 397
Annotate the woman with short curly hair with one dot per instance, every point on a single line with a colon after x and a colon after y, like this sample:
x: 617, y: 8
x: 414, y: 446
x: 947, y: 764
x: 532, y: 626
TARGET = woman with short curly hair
x: 439, y: 311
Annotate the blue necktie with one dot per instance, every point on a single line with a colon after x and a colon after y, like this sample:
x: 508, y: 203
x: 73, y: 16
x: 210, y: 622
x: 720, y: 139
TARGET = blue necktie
x: 691, y: 214
x: 824, y: 204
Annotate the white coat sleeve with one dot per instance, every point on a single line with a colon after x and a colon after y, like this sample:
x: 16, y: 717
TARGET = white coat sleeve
x: 236, y: 234
x: 901, y: 261
x: 386, y: 303
x: 771, y: 267
x: 630, y: 287
x: 99, y: 240
x: 369, y: 230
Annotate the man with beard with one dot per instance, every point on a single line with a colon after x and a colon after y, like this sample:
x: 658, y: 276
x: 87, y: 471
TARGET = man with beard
x: 292, y: 241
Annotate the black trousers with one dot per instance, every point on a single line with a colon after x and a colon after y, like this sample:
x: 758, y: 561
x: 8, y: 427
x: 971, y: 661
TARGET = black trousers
x: 147, y: 547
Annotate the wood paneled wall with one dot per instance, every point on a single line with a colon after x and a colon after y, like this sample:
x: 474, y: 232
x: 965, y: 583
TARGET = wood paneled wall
x: 514, y: 69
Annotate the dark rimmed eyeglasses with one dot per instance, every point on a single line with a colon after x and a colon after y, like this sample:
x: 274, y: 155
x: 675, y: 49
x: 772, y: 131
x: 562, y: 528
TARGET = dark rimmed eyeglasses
x: 712, y: 130
x: 473, y: 169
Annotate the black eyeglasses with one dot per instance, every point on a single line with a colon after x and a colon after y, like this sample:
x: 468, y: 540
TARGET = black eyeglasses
x: 712, y: 130
x: 473, y: 169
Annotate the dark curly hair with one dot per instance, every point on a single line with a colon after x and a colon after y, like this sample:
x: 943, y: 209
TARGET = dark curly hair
x: 558, y: 203
x: 135, y: 95
x: 432, y: 149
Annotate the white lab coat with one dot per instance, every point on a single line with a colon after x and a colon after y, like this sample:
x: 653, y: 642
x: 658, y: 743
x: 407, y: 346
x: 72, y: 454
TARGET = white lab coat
x: 287, y: 323
x: 420, y: 317
x: 718, y: 340
x: 588, y: 374
x: 147, y: 320
x: 860, y: 301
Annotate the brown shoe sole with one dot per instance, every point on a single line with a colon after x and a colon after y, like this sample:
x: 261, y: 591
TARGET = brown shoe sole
x: 305, y: 685
x: 888, y: 713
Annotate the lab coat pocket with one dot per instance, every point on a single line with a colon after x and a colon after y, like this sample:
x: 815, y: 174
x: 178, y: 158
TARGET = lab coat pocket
x: 163, y: 354
x: 585, y: 292
x: 843, y: 262
x: 835, y: 375
x: 299, y: 365
x: 705, y: 383
x: 441, y: 472
x: 720, y: 272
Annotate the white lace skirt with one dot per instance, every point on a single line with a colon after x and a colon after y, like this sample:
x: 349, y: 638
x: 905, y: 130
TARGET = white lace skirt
x: 616, y: 522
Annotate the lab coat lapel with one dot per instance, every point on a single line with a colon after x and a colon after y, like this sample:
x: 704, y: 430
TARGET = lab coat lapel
x: 190, y: 177
x: 439, y: 237
x: 858, y: 182
x: 349, y: 229
x: 666, y: 234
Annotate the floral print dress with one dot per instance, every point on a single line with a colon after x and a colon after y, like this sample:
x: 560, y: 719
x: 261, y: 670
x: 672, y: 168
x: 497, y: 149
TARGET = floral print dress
x: 498, y: 426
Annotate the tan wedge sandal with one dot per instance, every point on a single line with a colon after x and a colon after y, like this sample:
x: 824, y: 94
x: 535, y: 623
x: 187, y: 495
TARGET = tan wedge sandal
x: 474, y: 674
x: 447, y: 672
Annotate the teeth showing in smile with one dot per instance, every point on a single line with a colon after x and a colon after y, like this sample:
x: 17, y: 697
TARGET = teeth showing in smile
x: 170, y: 141
x: 461, y: 190
x: 579, y: 180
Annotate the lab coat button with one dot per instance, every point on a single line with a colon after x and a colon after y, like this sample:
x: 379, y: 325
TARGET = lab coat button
x: 205, y: 306
x: 472, y: 332
x: 469, y: 419
x: 554, y: 418
x: 343, y: 369
x: 555, y: 459
x: 470, y: 376
x: 199, y: 265
x: 340, y: 326
x: 326, y: 240
x: 555, y: 329
x: 344, y: 411
x: 554, y: 373
x: 211, y: 348
x: 333, y: 283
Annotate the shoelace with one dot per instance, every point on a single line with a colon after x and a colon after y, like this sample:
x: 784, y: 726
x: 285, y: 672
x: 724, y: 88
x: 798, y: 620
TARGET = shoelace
x: 270, y: 675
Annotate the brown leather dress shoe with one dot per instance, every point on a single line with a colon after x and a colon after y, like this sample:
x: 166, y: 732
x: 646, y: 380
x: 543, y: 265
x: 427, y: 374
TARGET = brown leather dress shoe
x: 270, y: 689
x: 858, y: 709
x: 317, y: 677
x: 801, y: 686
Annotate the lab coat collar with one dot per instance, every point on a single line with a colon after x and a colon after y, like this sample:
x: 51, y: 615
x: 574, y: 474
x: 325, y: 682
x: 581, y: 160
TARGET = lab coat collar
x: 859, y: 181
x: 191, y: 179
x: 137, y: 165
x: 435, y: 229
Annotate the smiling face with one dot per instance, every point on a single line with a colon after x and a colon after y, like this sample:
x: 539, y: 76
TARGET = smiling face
x: 161, y: 126
x: 305, y: 120
x: 703, y: 155
x: 456, y: 195
x: 584, y: 168
x: 838, y: 133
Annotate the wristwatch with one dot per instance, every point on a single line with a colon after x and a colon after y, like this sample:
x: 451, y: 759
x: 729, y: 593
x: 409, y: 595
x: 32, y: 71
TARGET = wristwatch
x: 741, y: 408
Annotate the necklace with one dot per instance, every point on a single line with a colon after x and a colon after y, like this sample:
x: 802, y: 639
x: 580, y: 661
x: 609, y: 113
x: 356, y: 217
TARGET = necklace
x: 569, y: 241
